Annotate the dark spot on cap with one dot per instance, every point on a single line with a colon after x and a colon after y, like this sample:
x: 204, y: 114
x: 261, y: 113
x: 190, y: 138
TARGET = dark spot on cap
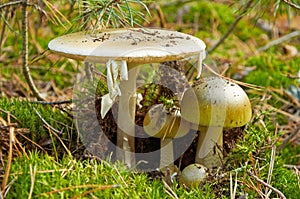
x: 198, y: 166
x: 231, y: 84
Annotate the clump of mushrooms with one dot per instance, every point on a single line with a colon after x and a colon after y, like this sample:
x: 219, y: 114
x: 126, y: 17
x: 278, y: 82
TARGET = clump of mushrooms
x: 164, y: 125
x: 214, y: 104
x: 130, y: 47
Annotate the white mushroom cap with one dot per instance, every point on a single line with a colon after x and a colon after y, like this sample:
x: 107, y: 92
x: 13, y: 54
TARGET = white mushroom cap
x: 136, y: 45
x: 216, y: 102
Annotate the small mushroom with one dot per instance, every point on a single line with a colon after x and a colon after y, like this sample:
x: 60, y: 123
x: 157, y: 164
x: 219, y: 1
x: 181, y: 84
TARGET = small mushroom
x: 131, y: 47
x: 212, y: 105
x: 193, y: 175
x: 166, y: 126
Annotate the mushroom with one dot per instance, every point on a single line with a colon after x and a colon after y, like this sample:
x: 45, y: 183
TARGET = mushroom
x: 212, y: 105
x: 193, y: 175
x: 166, y: 126
x: 131, y: 47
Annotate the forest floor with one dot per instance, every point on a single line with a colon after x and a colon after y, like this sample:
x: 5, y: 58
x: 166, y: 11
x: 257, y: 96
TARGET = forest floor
x: 42, y: 156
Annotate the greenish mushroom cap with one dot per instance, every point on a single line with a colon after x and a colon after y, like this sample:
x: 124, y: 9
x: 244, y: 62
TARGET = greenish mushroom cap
x: 193, y: 175
x: 216, y: 102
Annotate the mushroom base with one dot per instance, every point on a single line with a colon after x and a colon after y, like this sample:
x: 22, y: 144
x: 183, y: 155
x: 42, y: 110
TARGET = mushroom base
x: 210, y: 146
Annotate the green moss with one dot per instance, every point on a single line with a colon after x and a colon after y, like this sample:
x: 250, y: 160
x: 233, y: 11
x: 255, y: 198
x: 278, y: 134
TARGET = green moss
x: 210, y: 13
x: 28, y: 118
x: 272, y: 71
x: 68, y: 172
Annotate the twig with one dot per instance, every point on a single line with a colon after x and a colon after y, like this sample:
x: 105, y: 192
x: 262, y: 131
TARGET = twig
x: 291, y: 4
x: 39, y: 172
x: 233, y: 189
x: 53, y: 131
x: 3, y: 29
x: 255, y: 172
x: 273, y: 153
x: 25, y: 67
x: 9, y: 158
x: 231, y: 28
x: 62, y: 143
x: 169, y: 190
x: 281, y: 195
x: 52, y: 103
x: 161, y: 16
x: 290, y: 166
x: 232, y: 80
x: 100, y: 187
x: 32, y: 177
x: 291, y: 136
x: 12, y: 3
x: 279, y: 40
x: 292, y: 117
x: 93, y: 190
x: 46, y: 123
x: 10, y: 115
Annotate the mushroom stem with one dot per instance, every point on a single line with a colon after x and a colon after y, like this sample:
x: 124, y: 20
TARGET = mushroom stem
x: 208, y: 149
x: 166, y: 153
x: 126, y: 119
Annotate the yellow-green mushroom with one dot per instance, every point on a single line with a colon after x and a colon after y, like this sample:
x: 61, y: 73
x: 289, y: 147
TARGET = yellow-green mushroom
x: 193, y: 175
x: 211, y: 105
x: 166, y: 126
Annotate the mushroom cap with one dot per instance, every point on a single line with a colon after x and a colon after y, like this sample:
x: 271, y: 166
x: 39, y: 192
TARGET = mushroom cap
x: 193, y: 175
x: 136, y: 45
x: 216, y: 102
x: 160, y: 124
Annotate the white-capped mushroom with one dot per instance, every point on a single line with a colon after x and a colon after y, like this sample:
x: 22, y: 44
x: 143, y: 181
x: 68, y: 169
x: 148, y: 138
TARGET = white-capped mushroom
x: 212, y: 105
x: 131, y: 47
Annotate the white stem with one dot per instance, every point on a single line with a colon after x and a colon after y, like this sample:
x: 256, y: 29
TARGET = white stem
x: 209, y: 144
x: 126, y: 119
x: 202, y: 56
x: 166, y: 153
